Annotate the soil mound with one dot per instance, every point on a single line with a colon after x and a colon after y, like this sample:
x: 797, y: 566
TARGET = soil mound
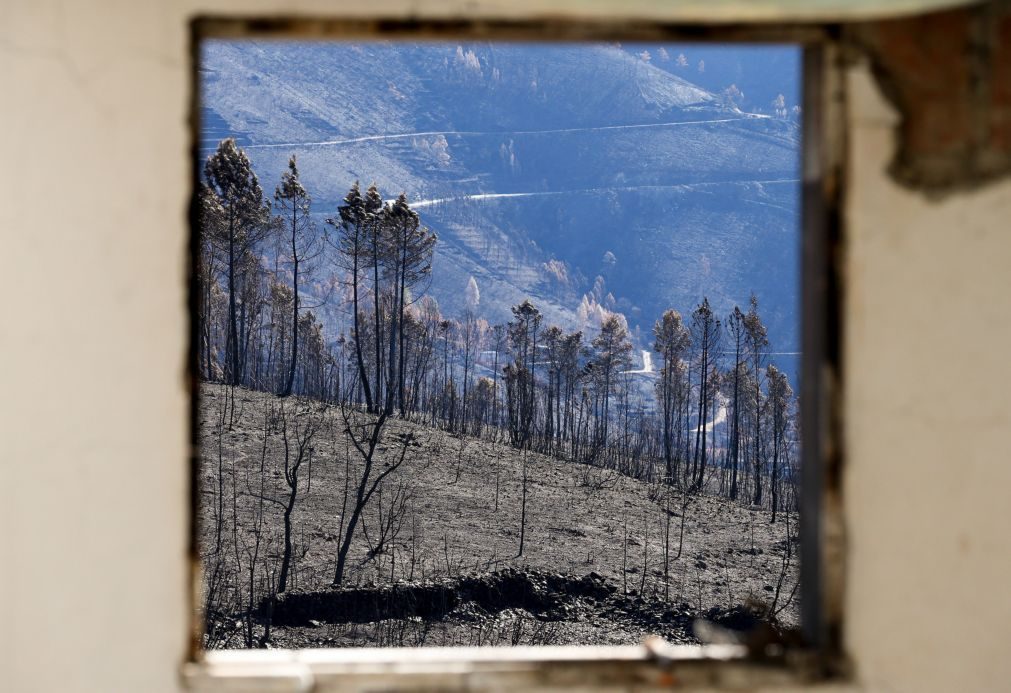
x: 547, y: 596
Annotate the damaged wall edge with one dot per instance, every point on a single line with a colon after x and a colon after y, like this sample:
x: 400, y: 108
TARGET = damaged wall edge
x: 948, y: 74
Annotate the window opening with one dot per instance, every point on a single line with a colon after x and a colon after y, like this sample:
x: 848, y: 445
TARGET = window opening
x: 584, y: 254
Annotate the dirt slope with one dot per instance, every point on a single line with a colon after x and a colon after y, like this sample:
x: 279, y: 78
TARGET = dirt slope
x: 462, y: 522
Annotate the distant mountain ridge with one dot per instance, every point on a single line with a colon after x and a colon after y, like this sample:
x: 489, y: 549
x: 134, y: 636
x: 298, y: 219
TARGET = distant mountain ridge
x: 560, y: 173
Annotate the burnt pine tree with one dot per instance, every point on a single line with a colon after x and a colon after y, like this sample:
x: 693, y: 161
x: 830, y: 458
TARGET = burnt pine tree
x: 756, y: 340
x: 229, y: 175
x: 672, y: 342
x: 351, y: 245
x: 519, y: 375
x: 553, y: 338
x: 572, y: 350
x: 250, y: 295
x: 410, y: 249
x: 293, y: 203
x: 780, y: 395
x: 212, y: 220
x: 376, y: 225
x: 735, y: 327
x: 705, y: 333
x: 470, y: 337
x: 612, y: 350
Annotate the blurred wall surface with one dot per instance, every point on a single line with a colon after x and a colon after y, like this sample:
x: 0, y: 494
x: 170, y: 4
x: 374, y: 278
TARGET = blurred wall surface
x: 93, y: 415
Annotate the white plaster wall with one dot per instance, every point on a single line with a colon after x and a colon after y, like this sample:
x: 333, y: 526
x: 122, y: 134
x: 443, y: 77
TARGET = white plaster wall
x: 928, y: 419
x: 93, y: 521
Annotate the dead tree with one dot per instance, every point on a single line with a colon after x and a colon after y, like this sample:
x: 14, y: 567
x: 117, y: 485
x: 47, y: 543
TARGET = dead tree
x: 294, y: 204
x: 253, y: 549
x: 520, y: 375
x: 301, y: 436
x: 756, y: 340
x: 391, y: 514
x: 350, y: 244
x: 672, y: 342
x: 243, y: 216
x: 705, y: 333
x: 523, y: 506
x: 409, y: 250
x: 735, y: 328
x: 780, y: 395
x: 784, y: 571
x: 365, y: 438
x: 612, y: 350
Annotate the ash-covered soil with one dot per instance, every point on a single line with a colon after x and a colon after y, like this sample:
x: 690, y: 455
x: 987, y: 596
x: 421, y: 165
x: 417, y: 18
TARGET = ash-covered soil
x: 600, y: 565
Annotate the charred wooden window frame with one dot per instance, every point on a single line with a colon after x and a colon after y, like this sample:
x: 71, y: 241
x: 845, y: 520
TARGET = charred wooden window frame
x: 818, y: 656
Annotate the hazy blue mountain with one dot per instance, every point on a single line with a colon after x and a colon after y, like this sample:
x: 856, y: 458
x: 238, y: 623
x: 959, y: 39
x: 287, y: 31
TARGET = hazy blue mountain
x: 755, y: 75
x: 543, y: 167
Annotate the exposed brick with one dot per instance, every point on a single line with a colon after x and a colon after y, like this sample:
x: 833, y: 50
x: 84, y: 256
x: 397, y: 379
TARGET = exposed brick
x: 949, y: 76
x: 1000, y: 103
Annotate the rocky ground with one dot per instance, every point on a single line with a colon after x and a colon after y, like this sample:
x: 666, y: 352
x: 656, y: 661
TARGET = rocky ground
x: 600, y: 563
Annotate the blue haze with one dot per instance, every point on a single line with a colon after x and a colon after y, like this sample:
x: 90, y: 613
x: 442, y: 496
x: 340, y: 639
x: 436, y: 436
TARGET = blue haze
x: 544, y: 167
